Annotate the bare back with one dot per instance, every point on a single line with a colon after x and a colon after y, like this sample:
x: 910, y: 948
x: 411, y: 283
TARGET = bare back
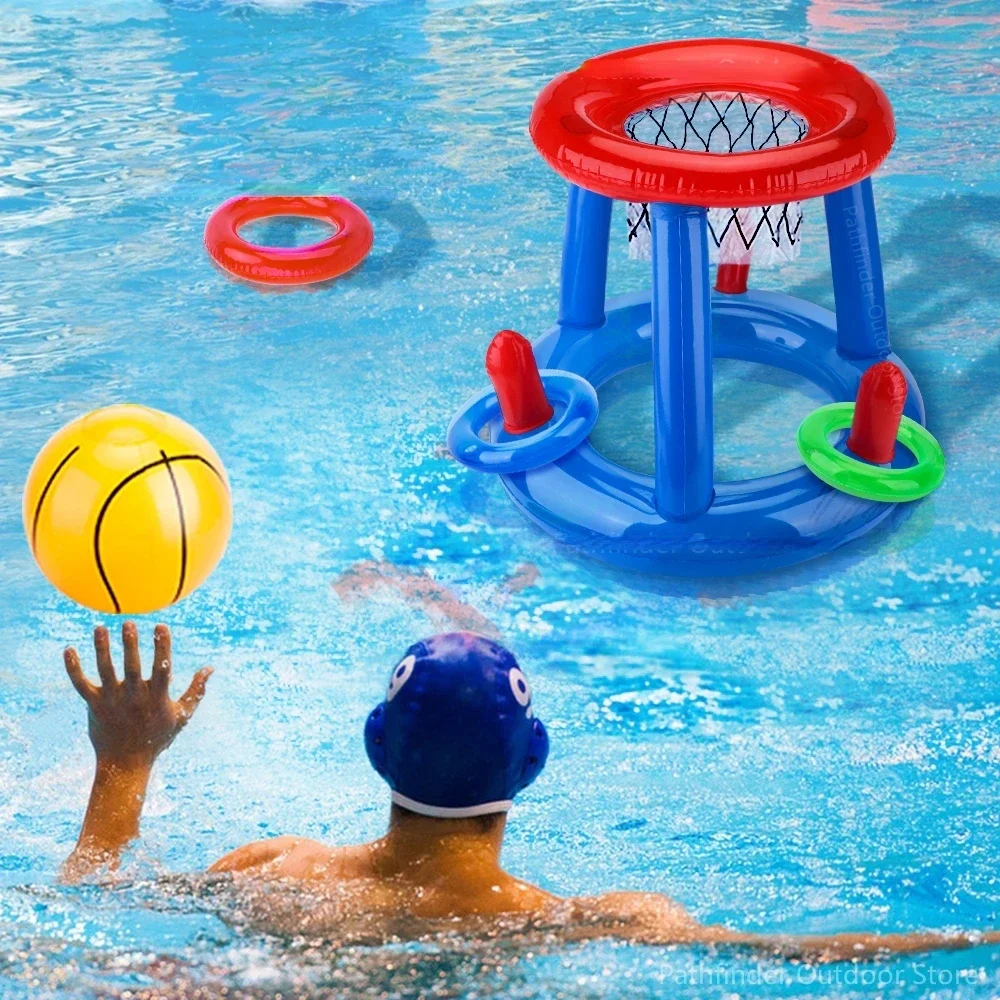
x: 361, y: 894
x: 370, y: 881
x: 368, y: 893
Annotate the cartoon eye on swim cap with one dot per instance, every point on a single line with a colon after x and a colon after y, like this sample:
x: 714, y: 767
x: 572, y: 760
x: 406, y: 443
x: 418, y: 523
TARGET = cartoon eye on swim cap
x: 521, y: 688
x: 400, y: 676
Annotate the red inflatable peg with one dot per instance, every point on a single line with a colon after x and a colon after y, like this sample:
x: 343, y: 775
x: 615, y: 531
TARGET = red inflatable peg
x: 731, y: 279
x: 879, y: 407
x: 511, y: 366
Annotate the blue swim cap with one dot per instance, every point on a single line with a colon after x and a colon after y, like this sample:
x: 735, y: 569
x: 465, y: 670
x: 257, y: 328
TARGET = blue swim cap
x: 456, y: 735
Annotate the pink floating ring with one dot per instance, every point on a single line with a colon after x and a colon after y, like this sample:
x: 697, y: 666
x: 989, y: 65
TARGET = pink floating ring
x: 332, y: 257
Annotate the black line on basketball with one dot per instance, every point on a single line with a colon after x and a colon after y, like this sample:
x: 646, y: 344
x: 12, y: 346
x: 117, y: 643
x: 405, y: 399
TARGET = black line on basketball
x: 180, y: 514
x: 45, y: 490
x: 107, y: 503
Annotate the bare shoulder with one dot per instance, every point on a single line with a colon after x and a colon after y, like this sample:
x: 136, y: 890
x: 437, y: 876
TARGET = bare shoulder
x: 268, y: 854
x: 635, y: 906
x: 496, y: 895
x: 638, y: 916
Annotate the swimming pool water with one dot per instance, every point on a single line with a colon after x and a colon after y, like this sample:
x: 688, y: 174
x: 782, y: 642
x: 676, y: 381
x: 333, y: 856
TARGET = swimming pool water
x: 813, y: 751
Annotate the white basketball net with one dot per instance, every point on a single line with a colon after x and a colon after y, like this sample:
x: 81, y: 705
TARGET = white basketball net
x: 724, y: 123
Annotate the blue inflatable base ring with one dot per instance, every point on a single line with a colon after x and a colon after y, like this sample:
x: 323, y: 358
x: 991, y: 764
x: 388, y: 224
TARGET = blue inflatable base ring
x: 575, y: 404
x: 608, y: 512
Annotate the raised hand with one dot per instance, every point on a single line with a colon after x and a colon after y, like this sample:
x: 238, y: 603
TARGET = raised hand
x: 133, y: 719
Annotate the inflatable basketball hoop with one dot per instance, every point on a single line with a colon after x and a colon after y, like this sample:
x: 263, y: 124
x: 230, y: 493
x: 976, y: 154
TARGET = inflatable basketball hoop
x: 714, y: 144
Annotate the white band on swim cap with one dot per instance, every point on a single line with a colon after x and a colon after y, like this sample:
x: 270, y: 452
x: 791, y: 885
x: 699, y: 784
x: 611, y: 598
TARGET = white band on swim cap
x: 452, y: 812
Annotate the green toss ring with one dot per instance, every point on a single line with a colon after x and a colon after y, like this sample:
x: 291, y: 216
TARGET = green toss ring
x: 859, y: 479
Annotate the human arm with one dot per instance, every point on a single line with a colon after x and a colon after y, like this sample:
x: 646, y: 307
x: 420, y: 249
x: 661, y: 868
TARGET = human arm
x: 131, y: 722
x: 849, y: 946
x: 256, y: 857
x: 649, y: 918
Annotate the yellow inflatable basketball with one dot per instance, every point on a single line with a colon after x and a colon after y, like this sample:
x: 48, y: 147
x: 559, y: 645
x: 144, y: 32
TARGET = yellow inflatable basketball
x: 127, y: 509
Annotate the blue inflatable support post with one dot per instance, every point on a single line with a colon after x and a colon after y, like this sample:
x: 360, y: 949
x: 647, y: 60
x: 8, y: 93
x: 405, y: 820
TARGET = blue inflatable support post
x: 858, y: 290
x: 583, y: 285
x: 682, y: 360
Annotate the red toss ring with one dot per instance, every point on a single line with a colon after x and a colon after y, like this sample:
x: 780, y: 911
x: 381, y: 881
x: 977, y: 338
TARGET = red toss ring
x: 330, y: 258
x: 578, y: 123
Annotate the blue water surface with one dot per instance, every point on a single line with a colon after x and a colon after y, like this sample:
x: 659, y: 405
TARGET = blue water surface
x: 813, y: 751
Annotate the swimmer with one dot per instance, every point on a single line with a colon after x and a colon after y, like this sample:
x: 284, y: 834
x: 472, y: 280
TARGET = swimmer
x: 456, y: 738
x: 422, y: 592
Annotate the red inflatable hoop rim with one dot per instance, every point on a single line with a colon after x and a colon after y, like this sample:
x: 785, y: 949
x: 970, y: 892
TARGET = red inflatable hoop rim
x: 330, y: 258
x: 577, y: 123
